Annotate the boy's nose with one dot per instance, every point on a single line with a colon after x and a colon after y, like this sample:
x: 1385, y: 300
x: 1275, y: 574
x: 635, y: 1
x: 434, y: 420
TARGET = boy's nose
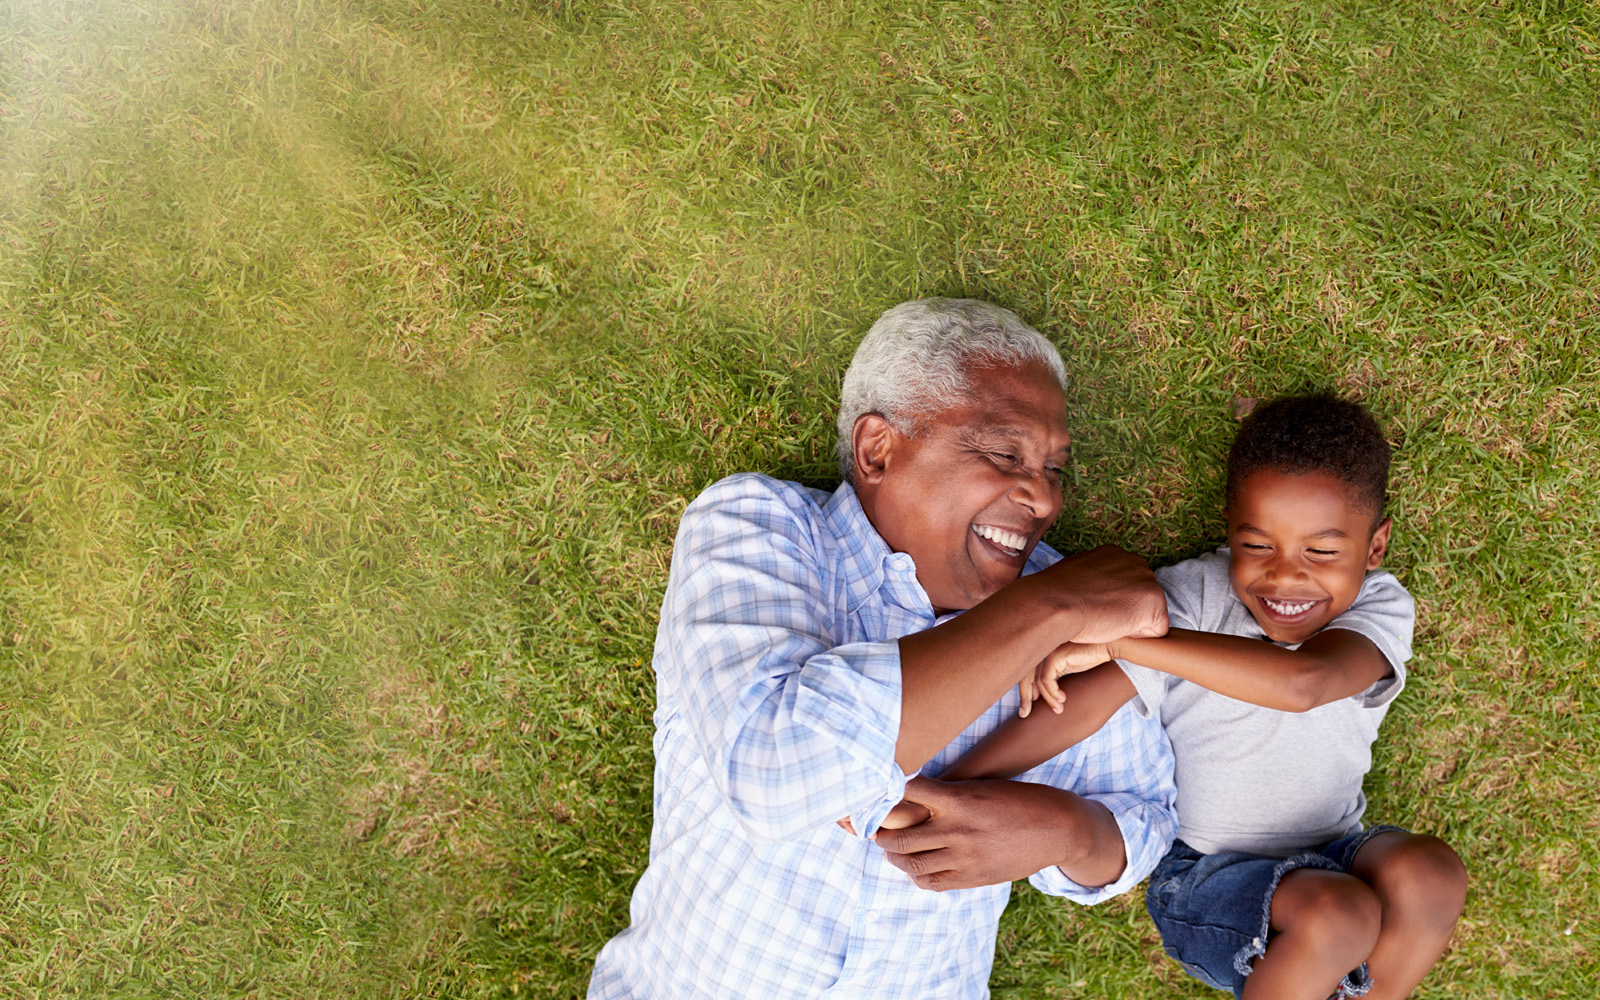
x: 1282, y: 566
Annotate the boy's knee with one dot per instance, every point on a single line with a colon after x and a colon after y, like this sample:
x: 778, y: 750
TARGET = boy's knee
x: 1426, y: 874
x: 1340, y: 912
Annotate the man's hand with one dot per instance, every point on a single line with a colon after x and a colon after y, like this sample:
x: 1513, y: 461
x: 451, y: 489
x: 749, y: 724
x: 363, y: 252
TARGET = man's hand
x: 1067, y: 658
x: 1115, y: 592
x: 987, y: 832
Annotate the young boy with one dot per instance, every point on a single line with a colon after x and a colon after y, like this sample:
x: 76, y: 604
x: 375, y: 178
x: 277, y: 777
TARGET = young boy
x: 1272, y: 889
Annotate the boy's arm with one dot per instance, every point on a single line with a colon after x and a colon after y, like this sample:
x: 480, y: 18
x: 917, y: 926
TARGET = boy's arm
x: 1024, y: 742
x: 1021, y: 744
x: 1335, y: 663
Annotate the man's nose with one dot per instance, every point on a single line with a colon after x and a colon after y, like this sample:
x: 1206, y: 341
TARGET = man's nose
x: 1035, y: 493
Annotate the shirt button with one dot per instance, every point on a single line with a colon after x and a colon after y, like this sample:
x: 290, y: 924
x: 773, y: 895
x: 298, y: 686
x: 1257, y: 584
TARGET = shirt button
x: 872, y: 914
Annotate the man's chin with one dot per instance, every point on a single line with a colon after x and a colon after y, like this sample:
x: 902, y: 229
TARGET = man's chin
x: 985, y: 587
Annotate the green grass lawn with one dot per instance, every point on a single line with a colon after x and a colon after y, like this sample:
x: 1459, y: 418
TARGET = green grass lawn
x: 358, y: 358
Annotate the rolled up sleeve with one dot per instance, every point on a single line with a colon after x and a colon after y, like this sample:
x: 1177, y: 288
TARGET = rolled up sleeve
x: 795, y: 729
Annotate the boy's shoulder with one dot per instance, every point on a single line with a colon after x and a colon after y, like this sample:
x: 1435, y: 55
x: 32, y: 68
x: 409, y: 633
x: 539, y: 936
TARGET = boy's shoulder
x: 1198, y: 590
x: 1212, y: 565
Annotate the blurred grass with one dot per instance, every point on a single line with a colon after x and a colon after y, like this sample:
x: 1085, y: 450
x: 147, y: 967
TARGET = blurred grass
x: 356, y: 361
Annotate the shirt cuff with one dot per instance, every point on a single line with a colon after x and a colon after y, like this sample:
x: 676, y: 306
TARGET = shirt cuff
x: 868, y: 820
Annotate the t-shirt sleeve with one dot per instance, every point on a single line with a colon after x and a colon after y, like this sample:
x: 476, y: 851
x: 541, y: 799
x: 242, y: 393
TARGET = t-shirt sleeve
x: 1184, y: 585
x: 795, y: 729
x: 1385, y: 613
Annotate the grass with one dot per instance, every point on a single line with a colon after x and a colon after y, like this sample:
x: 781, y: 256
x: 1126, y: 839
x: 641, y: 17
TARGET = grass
x: 356, y: 361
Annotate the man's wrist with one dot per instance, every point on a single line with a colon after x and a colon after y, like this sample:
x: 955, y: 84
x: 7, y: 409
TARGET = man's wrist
x: 1061, y: 607
x: 1089, y: 828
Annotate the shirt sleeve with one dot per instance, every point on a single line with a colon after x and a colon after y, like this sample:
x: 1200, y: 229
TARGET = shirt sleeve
x: 1385, y: 613
x: 1184, y: 584
x: 795, y: 731
x: 1127, y: 767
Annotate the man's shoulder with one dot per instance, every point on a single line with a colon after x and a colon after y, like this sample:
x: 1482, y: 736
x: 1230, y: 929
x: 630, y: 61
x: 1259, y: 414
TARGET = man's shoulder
x: 760, y: 516
x: 755, y: 491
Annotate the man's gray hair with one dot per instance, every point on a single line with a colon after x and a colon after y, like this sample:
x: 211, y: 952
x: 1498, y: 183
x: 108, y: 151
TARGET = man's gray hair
x: 915, y: 360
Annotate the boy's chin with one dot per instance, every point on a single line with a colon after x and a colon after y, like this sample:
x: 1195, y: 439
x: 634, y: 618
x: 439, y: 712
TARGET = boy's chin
x: 1292, y: 636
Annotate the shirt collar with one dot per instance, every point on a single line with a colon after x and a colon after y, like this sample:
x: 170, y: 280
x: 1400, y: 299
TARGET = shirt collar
x: 865, y: 561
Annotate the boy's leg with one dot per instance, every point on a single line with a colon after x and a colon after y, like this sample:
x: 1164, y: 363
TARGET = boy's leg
x: 1324, y: 925
x: 1422, y: 885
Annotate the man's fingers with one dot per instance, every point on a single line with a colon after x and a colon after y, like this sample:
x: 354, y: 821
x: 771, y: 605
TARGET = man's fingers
x: 920, y: 863
x: 1025, y: 691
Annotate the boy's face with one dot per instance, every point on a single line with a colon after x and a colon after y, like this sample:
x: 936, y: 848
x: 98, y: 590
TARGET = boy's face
x: 1301, y: 547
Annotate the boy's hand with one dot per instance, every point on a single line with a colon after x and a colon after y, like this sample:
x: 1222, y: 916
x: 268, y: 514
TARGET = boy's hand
x: 906, y: 813
x: 1067, y: 658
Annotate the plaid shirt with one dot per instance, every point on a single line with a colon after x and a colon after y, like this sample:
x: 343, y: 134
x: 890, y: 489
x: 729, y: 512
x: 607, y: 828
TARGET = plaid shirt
x: 778, y: 687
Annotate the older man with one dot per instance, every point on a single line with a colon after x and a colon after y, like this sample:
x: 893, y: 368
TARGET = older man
x: 810, y: 658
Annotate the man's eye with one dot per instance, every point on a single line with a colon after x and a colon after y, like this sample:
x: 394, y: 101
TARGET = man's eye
x: 1323, y: 552
x: 1254, y: 546
x: 1002, y: 457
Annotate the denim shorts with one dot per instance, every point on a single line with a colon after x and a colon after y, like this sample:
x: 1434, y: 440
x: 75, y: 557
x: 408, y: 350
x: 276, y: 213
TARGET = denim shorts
x: 1214, y: 910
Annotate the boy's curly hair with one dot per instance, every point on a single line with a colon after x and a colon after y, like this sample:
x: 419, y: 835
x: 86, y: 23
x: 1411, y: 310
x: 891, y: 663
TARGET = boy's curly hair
x: 1316, y: 433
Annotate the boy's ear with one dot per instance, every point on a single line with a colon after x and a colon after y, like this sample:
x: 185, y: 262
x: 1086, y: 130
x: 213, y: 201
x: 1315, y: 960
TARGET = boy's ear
x: 871, y: 442
x: 1379, y: 544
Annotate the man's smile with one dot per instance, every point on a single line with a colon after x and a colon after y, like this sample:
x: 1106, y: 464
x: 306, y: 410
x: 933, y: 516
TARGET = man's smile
x: 1009, y: 543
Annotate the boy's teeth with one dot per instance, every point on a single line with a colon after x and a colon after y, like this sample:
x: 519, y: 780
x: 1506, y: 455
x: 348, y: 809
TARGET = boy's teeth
x: 1001, y: 537
x: 1285, y: 608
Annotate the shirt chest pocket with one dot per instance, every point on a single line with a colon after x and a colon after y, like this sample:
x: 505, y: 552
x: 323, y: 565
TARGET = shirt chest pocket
x: 878, y: 623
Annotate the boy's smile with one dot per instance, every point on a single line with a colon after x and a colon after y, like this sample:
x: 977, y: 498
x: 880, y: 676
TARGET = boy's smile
x: 1301, y: 546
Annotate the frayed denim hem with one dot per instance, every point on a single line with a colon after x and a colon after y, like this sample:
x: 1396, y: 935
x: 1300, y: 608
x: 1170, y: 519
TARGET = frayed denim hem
x: 1257, y: 947
x: 1348, y: 855
x: 1357, y: 984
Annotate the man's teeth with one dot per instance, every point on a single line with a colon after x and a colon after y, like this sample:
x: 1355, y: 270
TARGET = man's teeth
x: 1001, y: 537
x: 1285, y: 608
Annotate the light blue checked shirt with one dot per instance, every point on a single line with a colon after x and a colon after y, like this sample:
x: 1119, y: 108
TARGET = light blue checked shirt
x: 778, y: 703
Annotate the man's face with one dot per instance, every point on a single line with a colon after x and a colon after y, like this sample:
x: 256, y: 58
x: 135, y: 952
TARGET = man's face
x: 970, y: 496
x: 1301, y: 547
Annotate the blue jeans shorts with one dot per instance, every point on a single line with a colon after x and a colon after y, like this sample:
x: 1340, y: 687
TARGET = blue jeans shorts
x: 1214, y: 910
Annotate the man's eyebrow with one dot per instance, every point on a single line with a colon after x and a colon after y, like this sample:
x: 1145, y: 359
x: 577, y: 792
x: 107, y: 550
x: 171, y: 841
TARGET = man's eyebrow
x: 1008, y: 432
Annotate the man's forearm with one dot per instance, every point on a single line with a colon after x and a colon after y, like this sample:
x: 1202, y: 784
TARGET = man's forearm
x: 951, y: 673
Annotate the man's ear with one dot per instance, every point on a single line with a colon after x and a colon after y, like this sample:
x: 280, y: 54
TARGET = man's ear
x: 871, y: 441
x: 1379, y: 544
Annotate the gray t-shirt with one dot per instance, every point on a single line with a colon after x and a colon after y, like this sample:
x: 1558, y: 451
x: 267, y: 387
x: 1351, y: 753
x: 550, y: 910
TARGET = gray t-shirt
x: 1256, y: 779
